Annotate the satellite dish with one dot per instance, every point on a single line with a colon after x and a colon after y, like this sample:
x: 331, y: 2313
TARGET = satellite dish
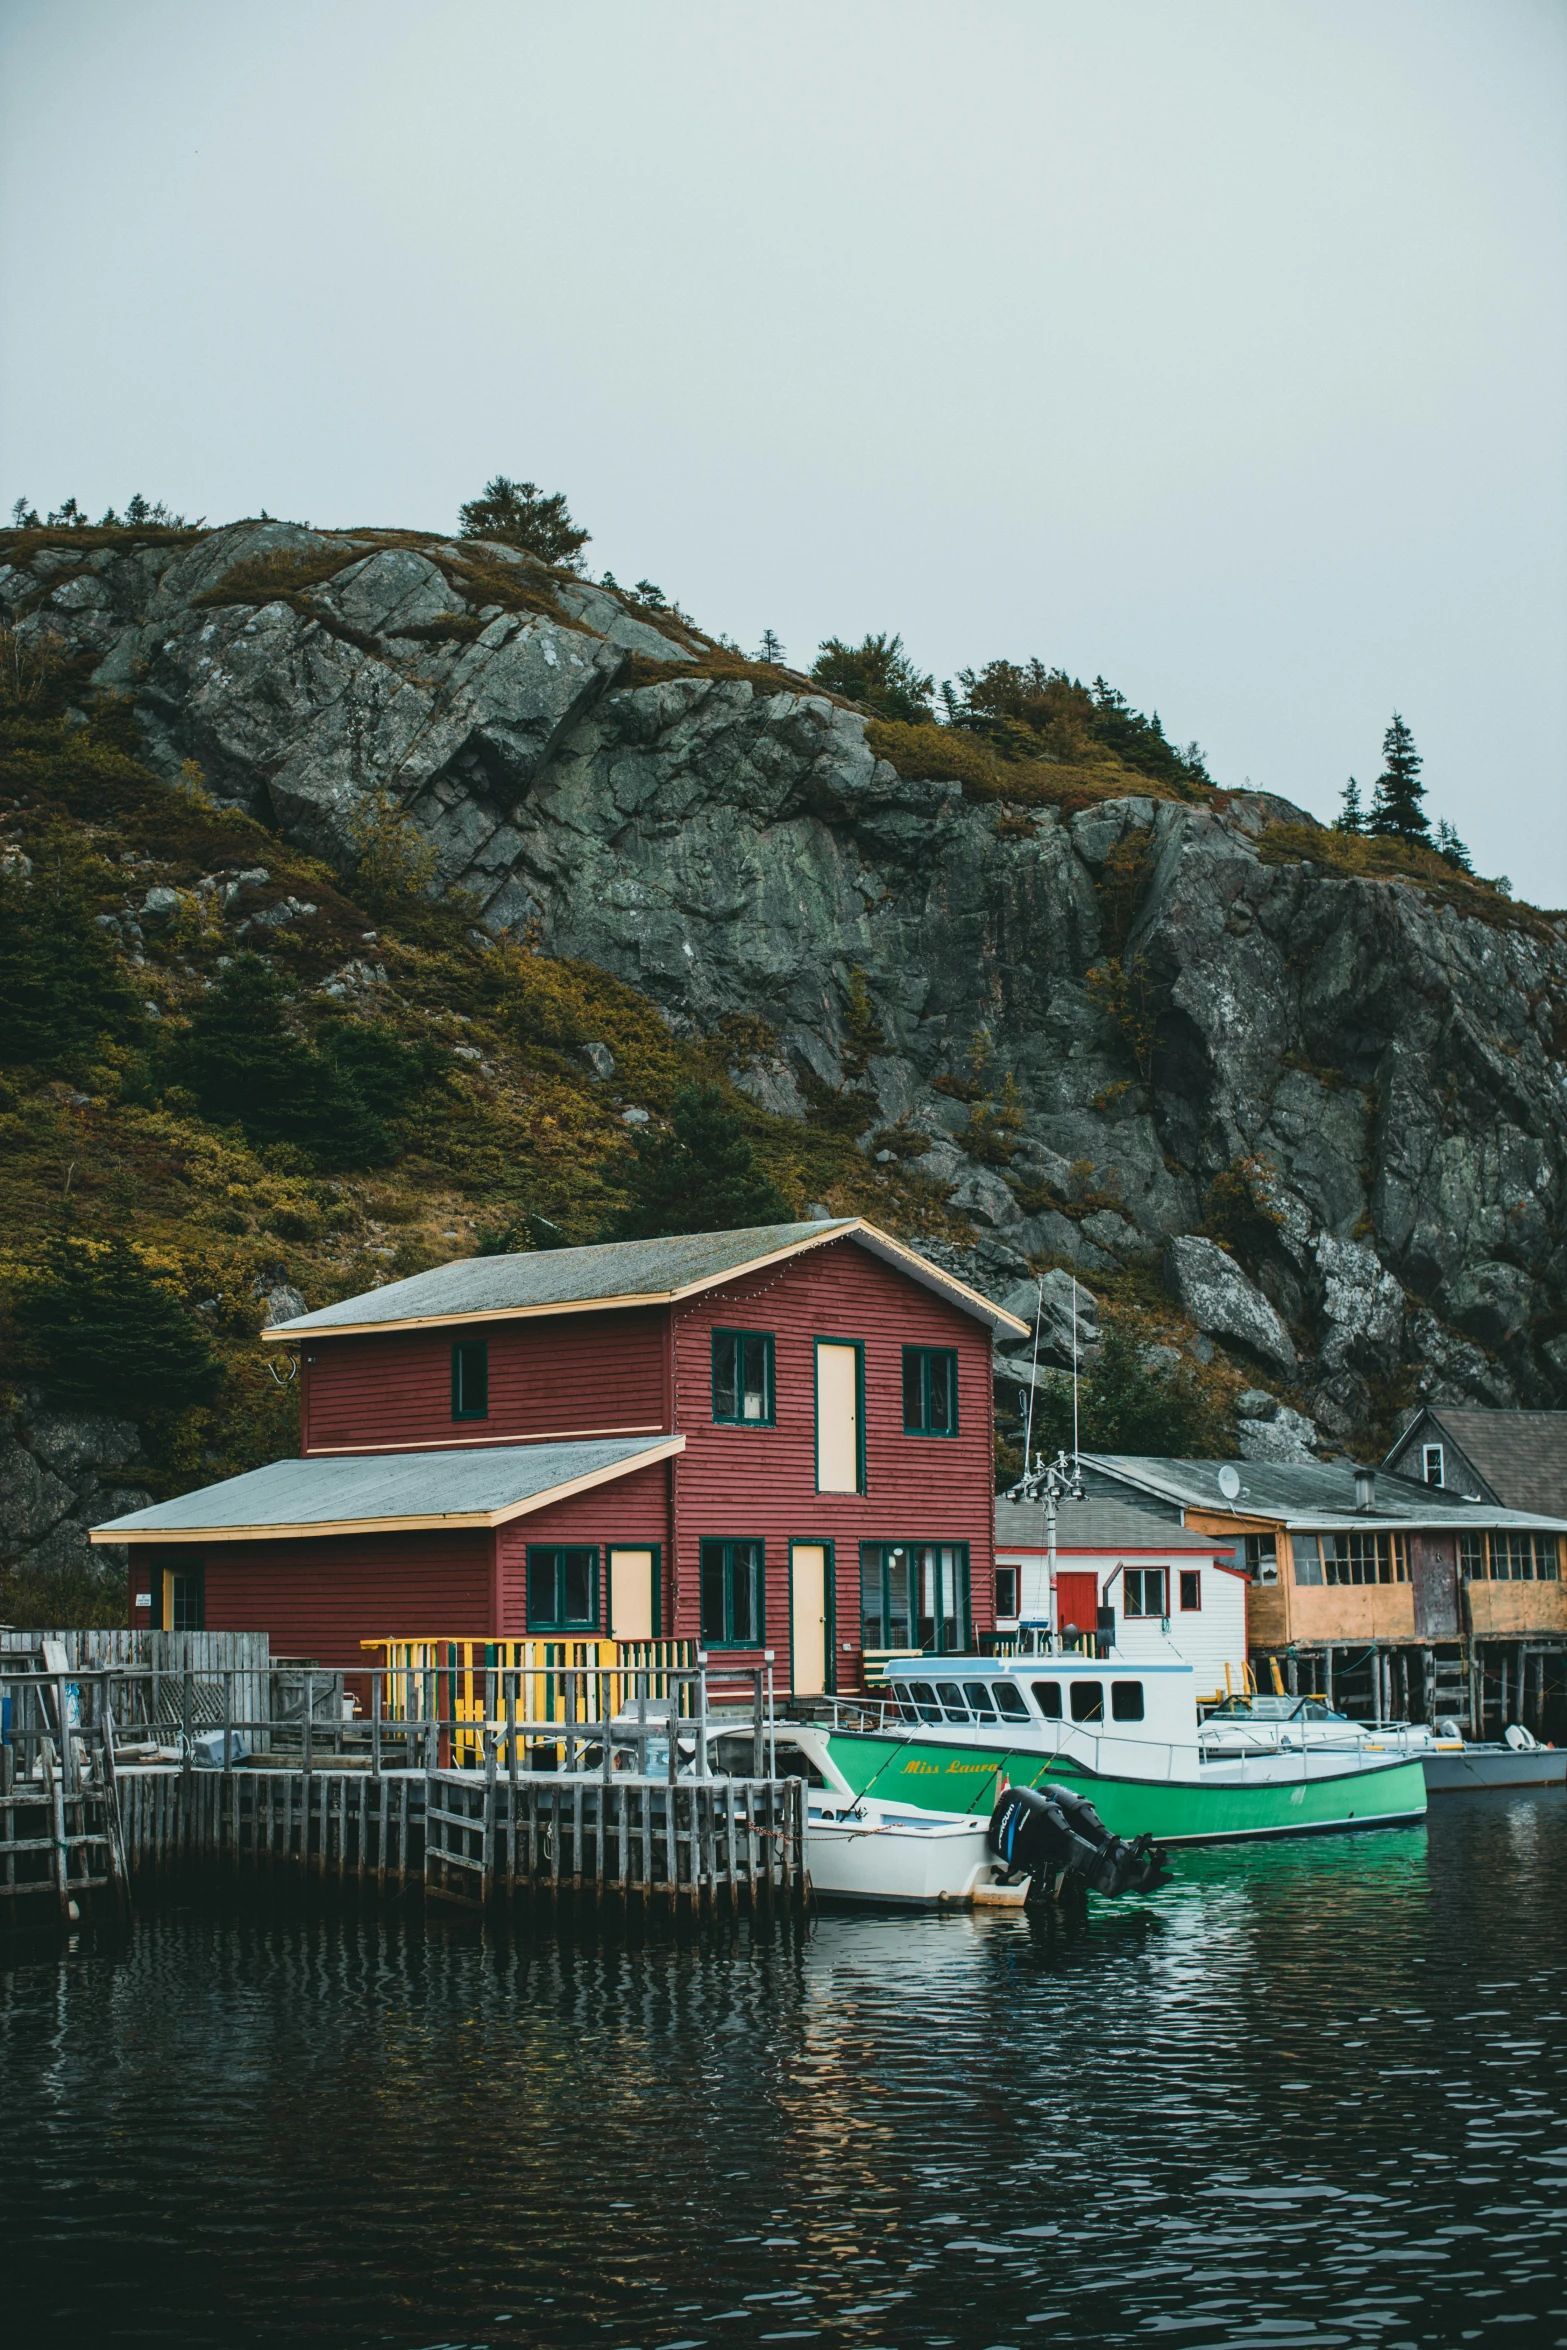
x: 1230, y: 1483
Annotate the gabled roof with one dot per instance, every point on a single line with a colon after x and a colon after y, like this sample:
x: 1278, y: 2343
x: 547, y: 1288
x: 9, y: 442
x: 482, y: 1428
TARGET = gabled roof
x: 618, y: 1273
x: 1307, y: 1494
x: 380, y: 1494
x: 1097, y: 1524
x: 1521, y: 1456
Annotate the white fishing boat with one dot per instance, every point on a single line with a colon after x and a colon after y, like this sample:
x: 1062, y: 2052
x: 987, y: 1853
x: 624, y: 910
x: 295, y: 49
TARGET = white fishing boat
x: 1456, y: 1765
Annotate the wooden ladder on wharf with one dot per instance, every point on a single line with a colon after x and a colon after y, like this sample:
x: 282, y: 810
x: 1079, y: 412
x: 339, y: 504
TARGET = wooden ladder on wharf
x: 62, y: 1852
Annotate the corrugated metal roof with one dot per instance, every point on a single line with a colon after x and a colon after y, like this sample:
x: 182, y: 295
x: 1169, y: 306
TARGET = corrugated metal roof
x: 480, y: 1486
x: 1308, y: 1493
x: 1521, y: 1455
x: 1094, y: 1524
x: 614, y: 1272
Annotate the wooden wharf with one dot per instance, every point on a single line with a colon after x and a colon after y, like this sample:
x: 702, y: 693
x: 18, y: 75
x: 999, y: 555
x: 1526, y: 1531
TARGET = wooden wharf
x: 607, y: 1799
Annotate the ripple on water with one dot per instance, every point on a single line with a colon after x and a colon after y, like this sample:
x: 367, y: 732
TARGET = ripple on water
x: 1307, y: 2095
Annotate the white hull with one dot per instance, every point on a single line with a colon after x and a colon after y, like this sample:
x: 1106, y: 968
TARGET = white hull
x: 1454, y: 1771
x: 891, y: 1854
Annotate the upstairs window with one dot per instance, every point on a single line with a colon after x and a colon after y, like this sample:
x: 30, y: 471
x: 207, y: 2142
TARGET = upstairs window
x: 731, y: 1594
x: 1191, y: 1590
x: 1262, y: 1550
x: 471, y: 1379
x: 563, y: 1587
x: 1523, y: 1558
x: 1145, y: 1591
x: 930, y: 1391
x: 1471, y: 1558
x: 743, y: 1378
x: 1431, y: 1465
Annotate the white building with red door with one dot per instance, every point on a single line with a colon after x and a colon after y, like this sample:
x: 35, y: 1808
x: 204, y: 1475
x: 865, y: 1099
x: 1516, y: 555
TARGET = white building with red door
x: 1170, y: 1591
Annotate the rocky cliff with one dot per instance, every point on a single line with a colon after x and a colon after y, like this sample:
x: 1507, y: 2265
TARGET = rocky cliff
x: 1157, y: 1041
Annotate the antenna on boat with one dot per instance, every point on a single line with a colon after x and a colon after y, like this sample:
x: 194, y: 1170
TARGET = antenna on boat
x: 1033, y: 1372
x: 1074, y: 1370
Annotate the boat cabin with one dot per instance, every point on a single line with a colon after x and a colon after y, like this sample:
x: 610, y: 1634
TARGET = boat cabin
x: 1115, y: 1696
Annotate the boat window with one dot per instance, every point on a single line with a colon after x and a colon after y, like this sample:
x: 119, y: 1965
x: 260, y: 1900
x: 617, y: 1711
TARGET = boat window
x: 1010, y: 1701
x: 1088, y: 1701
x: 1314, y: 1709
x: 952, y: 1704
x: 795, y: 1763
x: 1126, y: 1701
x: 1047, y: 1696
x: 925, y: 1701
x: 978, y: 1695
x: 899, y: 1693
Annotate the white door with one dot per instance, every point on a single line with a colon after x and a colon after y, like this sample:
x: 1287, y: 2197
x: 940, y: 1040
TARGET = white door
x: 837, y: 1417
x: 631, y: 1595
x: 808, y: 1617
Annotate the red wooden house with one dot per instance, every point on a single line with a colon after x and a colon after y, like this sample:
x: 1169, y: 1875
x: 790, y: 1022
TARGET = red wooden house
x: 778, y: 1439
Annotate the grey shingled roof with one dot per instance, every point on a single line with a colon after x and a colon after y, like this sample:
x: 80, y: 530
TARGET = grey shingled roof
x: 1521, y: 1455
x: 1095, y: 1524
x: 482, y: 1485
x: 1309, y: 1493
x: 614, y: 1272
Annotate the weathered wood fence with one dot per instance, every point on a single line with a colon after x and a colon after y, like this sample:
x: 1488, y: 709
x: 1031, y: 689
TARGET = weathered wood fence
x: 611, y: 1796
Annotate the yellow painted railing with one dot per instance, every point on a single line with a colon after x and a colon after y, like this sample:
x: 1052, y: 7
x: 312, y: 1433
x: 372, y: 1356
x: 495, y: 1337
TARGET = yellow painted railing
x: 462, y: 1681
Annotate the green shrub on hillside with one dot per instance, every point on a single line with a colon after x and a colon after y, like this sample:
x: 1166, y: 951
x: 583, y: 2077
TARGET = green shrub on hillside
x: 699, y: 1176
x: 98, y: 1329
x: 877, y: 674
x: 1123, y: 1406
x: 245, y: 1064
x: 521, y: 515
x: 61, y: 986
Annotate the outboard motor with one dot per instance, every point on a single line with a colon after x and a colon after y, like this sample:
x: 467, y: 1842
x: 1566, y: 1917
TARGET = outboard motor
x: 1049, y: 1834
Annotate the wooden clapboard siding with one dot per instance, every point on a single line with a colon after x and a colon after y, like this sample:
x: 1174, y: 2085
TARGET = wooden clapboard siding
x: 320, y: 1598
x: 568, y: 1374
x: 633, y: 1513
x: 761, y: 1482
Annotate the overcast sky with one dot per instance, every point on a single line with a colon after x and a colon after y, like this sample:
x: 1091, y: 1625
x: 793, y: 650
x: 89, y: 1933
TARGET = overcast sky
x: 1212, y: 345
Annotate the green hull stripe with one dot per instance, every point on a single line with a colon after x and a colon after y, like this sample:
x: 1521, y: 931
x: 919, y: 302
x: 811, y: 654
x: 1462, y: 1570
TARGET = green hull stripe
x: 962, y: 1779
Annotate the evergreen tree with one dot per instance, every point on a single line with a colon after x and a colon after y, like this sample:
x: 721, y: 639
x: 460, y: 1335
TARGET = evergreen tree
x: 1125, y: 1407
x: 1396, y: 812
x: 99, y: 1331
x: 61, y: 985
x: 520, y: 515
x: 245, y: 1064
x: 877, y: 673
x: 1449, y: 846
x: 771, y: 648
x: 701, y: 1176
x: 1351, y: 816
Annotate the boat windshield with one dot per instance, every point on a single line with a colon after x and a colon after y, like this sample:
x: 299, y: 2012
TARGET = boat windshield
x: 1275, y: 1709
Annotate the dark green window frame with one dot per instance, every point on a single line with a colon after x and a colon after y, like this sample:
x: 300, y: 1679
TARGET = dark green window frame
x: 930, y: 1377
x: 470, y: 1379
x: 733, y: 1592
x: 735, y: 1361
x: 558, y: 1574
x: 893, y: 1587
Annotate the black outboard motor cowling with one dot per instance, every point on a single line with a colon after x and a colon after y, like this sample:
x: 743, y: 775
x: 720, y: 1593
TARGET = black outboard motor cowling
x: 1048, y: 1833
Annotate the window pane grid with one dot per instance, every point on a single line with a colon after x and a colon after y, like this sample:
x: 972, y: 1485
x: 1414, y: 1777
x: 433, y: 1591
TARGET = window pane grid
x: 563, y: 1587
x: 915, y: 1595
x: 743, y: 1378
x: 733, y: 1611
x: 930, y: 1391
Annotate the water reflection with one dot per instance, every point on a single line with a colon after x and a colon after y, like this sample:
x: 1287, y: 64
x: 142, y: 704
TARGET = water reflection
x: 1308, y: 2094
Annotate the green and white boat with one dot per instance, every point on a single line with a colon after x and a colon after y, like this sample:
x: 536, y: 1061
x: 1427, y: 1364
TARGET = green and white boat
x: 1125, y: 1734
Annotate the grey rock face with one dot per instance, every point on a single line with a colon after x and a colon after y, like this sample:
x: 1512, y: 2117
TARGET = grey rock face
x: 1210, y: 1287
x: 50, y: 1492
x: 1388, y: 1069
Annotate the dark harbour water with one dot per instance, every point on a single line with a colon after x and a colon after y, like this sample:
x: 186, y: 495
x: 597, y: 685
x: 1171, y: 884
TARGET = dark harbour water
x: 1309, y: 2095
